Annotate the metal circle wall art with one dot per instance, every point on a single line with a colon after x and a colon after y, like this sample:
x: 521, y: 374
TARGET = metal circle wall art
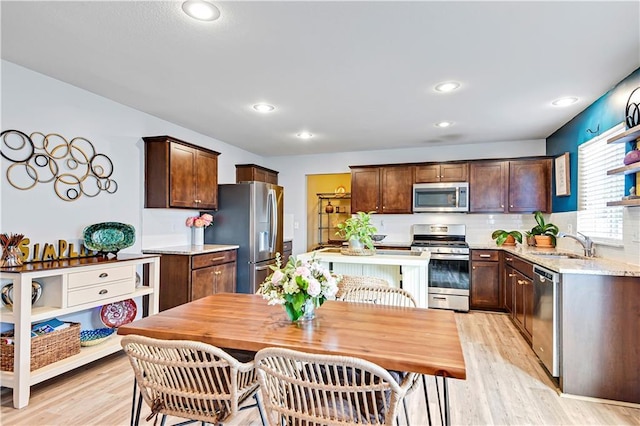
x: 74, y: 167
x: 632, y: 111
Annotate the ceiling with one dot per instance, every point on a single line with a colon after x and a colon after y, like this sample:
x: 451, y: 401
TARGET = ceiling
x: 357, y: 75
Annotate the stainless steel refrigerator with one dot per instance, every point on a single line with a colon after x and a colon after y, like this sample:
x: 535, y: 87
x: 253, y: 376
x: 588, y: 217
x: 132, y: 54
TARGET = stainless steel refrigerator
x: 250, y: 215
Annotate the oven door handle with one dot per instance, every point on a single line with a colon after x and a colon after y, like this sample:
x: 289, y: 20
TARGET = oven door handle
x: 440, y: 256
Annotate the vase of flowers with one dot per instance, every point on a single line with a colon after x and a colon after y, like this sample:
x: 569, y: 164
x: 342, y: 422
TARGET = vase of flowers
x: 197, y: 225
x: 300, y: 287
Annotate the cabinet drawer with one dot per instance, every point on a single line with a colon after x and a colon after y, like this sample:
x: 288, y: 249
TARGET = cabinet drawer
x: 204, y: 260
x: 100, y: 276
x: 523, y: 266
x: 99, y: 292
x: 485, y: 255
x: 287, y: 246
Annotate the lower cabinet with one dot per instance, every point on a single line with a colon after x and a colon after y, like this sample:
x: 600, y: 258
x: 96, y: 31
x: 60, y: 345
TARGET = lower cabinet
x: 518, y: 290
x: 485, y: 280
x: 184, y: 277
x: 287, y: 250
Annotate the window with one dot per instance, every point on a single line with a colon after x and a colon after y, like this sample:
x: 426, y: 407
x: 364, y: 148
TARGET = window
x: 595, y: 219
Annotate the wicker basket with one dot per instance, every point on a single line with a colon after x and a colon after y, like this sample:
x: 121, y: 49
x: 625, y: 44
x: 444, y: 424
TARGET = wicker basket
x: 45, y: 349
x: 357, y: 252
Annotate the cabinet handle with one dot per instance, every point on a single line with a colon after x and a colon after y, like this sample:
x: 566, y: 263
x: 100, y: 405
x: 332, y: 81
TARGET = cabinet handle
x: 520, y: 282
x: 508, y: 259
x: 473, y: 268
x: 439, y: 298
x: 217, y: 272
x: 485, y: 255
x: 103, y: 291
x: 215, y: 259
x: 511, y: 275
x: 511, y: 206
x: 103, y: 275
x: 502, y: 206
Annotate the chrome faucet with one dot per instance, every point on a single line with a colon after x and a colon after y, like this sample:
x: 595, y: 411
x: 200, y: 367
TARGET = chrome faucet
x: 586, y: 242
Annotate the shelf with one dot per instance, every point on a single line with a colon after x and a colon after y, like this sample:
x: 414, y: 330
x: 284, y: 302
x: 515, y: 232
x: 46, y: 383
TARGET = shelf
x: 41, y: 313
x: 626, y: 170
x: 626, y: 203
x: 630, y: 135
x: 87, y: 354
x: 333, y: 195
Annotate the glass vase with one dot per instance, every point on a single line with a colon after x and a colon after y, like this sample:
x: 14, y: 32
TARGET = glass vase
x: 307, y: 311
x: 11, y: 256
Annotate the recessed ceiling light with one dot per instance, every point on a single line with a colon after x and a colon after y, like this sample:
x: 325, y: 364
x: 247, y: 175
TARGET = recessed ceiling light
x: 263, y: 107
x: 201, y: 10
x: 444, y: 124
x: 305, y: 135
x: 565, y: 101
x: 447, y: 86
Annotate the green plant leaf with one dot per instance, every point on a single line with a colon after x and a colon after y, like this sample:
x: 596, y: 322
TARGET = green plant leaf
x: 496, y: 233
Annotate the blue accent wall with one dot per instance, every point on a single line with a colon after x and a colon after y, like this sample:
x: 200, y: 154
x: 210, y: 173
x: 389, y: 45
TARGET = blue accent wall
x: 598, y: 117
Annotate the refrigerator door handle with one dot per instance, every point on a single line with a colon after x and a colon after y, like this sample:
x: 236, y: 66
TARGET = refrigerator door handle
x: 273, y: 218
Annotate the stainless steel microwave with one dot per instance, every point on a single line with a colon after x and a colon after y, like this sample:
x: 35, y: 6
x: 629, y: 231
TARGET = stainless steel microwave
x: 441, y: 197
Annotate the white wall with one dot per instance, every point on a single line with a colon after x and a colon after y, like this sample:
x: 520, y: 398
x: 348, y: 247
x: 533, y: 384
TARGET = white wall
x: 32, y: 102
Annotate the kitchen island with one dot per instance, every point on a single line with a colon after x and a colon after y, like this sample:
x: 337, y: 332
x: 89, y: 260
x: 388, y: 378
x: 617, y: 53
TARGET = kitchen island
x: 401, y: 268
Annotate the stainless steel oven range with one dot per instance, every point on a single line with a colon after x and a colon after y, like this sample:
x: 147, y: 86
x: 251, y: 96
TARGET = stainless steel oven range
x: 449, y: 264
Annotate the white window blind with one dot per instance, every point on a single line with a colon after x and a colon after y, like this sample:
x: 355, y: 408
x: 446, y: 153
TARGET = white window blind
x: 595, y: 157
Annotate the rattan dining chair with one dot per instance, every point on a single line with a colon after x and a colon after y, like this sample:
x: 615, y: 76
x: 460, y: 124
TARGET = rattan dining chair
x: 350, y: 281
x: 188, y: 379
x: 299, y: 388
x: 392, y: 296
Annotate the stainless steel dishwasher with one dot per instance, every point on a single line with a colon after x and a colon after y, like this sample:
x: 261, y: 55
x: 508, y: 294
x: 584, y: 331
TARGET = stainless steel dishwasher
x: 545, y: 318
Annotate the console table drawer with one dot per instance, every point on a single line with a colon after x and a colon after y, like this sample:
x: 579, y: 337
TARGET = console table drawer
x: 99, y: 292
x: 101, y: 276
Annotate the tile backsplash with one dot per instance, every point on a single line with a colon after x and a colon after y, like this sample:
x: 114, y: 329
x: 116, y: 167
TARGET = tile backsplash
x: 480, y: 226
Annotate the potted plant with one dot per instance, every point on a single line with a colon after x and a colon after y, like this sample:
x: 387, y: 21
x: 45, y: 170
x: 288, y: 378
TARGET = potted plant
x: 506, y: 238
x: 358, y: 230
x: 544, y: 233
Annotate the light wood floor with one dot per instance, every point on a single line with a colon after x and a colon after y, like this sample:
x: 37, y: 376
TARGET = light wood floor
x: 505, y: 386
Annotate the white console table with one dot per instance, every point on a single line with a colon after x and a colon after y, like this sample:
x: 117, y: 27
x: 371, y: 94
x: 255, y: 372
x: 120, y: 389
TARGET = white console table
x: 68, y: 286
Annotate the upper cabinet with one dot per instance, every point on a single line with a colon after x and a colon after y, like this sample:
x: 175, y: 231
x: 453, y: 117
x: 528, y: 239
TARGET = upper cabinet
x: 253, y: 172
x: 179, y: 174
x: 517, y: 186
x: 445, y: 172
x: 386, y: 189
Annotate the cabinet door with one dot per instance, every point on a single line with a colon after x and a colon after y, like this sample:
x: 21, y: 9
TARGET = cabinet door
x: 365, y: 189
x: 206, y: 180
x: 182, y: 169
x: 428, y: 173
x: 485, y: 285
x: 226, y: 278
x: 454, y: 172
x: 518, y: 299
x: 528, y: 306
x: 203, y: 282
x: 397, y: 188
x: 530, y: 186
x: 488, y: 186
x: 509, y: 283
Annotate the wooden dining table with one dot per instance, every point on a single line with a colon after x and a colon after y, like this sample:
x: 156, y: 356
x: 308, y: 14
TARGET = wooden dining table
x: 417, y: 340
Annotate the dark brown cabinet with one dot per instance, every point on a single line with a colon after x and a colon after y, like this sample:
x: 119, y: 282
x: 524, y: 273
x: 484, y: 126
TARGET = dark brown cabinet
x: 184, y: 278
x: 179, y: 174
x: 287, y: 249
x: 386, y: 189
x: 253, y: 172
x: 518, y: 285
x: 517, y: 186
x: 485, y: 280
x: 445, y: 172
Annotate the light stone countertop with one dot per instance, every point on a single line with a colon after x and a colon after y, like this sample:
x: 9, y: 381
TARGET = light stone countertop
x: 382, y: 257
x: 582, y: 265
x: 190, y: 250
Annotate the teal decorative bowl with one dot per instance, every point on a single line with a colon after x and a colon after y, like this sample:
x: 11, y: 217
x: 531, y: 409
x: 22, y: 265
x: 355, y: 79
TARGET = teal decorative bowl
x: 109, y: 237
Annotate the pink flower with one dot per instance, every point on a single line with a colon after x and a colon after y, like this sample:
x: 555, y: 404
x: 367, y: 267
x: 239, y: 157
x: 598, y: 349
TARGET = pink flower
x: 276, y: 277
x: 199, y: 221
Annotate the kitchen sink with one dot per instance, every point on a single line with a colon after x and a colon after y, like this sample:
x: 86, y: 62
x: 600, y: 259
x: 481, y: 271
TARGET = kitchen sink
x: 558, y: 255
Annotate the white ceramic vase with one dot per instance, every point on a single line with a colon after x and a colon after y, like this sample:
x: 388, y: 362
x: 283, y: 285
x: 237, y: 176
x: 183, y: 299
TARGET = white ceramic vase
x: 197, y: 236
